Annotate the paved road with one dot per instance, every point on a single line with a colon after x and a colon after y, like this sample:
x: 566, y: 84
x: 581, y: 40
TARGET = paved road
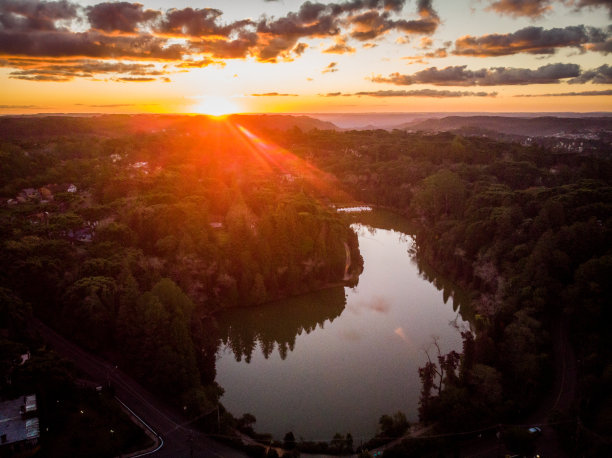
x: 179, y: 440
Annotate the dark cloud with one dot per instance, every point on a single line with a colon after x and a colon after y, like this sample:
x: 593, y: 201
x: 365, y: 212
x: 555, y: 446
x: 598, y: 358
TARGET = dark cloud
x: 594, y: 3
x: 569, y: 94
x: 537, y: 8
x: 372, y: 24
x: 128, y: 31
x: 516, y: 8
x: 604, y: 47
x: 299, y: 49
x: 531, y: 40
x: 351, y: 6
x: 331, y: 94
x: 273, y: 94
x: 35, y: 15
x: 237, y: 48
x: 189, y: 22
x: 435, y: 54
x: 332, y: 67
x: 135, y: 79
x: 88, y: 44
x: 600, y: 75
x: 277, y: 37
x: 119, y: 17
x: 426, y: 93
x: 366, y: 19
x: 498, y: 76
x: 66, y: 70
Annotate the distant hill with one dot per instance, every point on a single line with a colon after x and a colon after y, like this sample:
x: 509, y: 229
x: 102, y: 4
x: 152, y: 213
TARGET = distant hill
x: 282, y: 122
x: 544, y: 126
x: 113, y: 125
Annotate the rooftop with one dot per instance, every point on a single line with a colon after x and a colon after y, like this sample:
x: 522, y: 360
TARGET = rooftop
x: 14, y: 426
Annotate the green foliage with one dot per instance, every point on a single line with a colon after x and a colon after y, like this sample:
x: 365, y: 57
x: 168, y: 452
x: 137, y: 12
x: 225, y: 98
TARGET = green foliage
x: 393, y: 425
x: 13, y: 312
x: 440, y: 194
x: 206, y: 225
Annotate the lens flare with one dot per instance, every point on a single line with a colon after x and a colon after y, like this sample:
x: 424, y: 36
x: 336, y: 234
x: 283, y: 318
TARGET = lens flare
x: 215, y: 105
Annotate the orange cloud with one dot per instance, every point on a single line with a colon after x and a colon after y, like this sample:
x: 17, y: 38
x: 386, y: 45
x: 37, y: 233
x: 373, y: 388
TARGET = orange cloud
x: 531, y: 40
x: 185, y: 38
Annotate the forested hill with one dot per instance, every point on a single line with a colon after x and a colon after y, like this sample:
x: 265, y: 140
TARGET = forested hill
x: 22, y: 128
x: 127, y: 233
x: 282, y: 122
x: 533, y: 126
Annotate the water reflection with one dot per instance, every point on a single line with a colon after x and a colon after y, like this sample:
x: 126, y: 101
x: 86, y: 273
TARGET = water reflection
x: 383, y: 219
x: 450, y: 290
x: 336, y: 360
x: 277, y: 325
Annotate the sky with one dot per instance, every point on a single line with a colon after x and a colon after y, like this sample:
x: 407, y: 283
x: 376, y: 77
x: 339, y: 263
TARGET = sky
x: 297, y: 56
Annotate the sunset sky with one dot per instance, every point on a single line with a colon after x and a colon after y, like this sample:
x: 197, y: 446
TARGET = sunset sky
x: 305, y: 56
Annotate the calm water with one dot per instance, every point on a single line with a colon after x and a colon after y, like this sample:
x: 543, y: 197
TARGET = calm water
x: 336, y: 360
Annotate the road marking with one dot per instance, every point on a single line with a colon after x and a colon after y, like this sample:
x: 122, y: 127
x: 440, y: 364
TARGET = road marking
x: 148, y: 427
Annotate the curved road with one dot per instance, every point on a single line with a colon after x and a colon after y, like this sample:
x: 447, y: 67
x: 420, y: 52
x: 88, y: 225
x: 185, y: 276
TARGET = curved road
x: 178, y: 440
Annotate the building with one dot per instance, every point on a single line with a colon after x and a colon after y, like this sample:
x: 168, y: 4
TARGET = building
x: 19, y: 430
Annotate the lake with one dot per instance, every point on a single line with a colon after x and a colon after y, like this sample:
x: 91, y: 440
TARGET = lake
x: 336, y: 360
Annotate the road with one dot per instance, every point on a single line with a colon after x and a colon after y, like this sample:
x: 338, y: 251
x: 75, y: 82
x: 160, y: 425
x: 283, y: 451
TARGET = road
x: 179, y: 440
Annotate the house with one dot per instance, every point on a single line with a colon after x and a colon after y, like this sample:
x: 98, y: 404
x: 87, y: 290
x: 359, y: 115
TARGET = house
x: 72, y: 188
x: 28, y: 194
x: 84, y: 234
x: 19, y: 428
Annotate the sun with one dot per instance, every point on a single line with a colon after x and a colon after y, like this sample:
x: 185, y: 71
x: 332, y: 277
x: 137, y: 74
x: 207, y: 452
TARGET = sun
x: 216, y: 105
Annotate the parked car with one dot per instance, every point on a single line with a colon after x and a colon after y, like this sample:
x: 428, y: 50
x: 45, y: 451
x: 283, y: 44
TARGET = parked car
x: 535, y: 430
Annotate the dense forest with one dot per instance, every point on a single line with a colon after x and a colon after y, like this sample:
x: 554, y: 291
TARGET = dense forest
x: 129, y: 233
x: 529, y: 232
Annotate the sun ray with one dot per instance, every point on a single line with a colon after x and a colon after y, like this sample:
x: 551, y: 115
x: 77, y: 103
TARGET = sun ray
x: 285, y: 162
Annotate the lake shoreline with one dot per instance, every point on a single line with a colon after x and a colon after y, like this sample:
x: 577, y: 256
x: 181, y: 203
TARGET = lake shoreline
x: 345, y: 335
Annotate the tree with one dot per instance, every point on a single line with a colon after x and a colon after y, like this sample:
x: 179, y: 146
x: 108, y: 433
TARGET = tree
x: 393, y: 426
x: 13, y: 312
x: 289, y: 441
x: 441, y: 194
